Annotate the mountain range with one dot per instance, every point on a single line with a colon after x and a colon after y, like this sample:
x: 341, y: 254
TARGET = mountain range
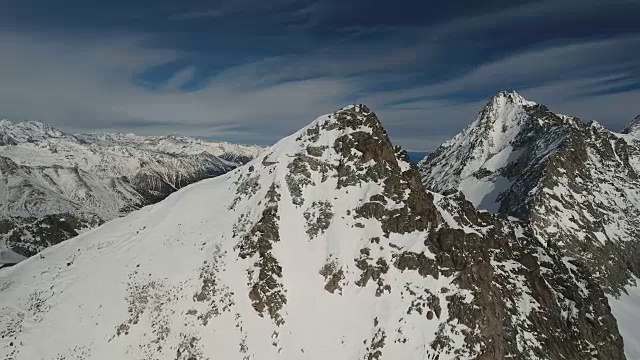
x: 331, y: 244
x: 56, y: 185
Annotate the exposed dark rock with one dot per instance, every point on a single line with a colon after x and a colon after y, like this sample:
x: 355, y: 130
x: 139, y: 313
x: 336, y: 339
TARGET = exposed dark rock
x: 496, y: 261
x: 318, y: 218
x: 267, y: 292
x: 333, y: 278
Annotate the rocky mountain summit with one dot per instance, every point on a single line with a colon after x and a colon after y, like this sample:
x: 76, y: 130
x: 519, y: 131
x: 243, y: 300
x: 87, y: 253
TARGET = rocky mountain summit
x: 56, y: 185
x: 575, y: 185
x: 326, y: 245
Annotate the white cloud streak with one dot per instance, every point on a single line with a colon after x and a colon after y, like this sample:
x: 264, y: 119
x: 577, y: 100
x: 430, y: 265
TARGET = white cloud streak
x: 87, y: 85
x: 194, y: 15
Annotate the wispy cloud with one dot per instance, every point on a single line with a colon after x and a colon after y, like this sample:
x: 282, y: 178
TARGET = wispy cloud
x: 88, y: 86
x: 180, y: 78
x: 255, y: 79
x: 194, y: 15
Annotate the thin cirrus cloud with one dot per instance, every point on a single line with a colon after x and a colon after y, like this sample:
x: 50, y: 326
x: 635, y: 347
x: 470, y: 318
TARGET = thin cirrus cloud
x: 202, y: 14
x: 426, y: 80
x: 83, y: 89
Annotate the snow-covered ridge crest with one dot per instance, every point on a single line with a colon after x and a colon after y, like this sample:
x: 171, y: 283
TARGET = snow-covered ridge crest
x: 330, y: 228
x: 57, y: 184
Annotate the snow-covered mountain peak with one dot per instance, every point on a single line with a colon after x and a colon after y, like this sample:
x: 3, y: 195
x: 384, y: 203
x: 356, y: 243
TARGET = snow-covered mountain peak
x: 512, y: 97
x: 575, y: 182
x: 331, y: 129
x: 28, y: 131
x: 485, y: 146
x: 504, y: 114
x: 499, y: 121
x: 633, y: 128
x: 576, y: 185
x: 351, y: 141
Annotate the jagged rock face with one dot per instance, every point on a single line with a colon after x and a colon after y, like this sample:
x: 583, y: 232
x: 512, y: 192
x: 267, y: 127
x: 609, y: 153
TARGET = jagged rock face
x: 325, y: 246
x: 55, y: 185
x: 589, y: 204
x: 576, y: 184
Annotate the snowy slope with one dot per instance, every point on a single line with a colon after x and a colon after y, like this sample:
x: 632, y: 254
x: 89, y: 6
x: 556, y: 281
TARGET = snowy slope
x: 47, y: 175
x: 626, y: 309
x: 326, y: 246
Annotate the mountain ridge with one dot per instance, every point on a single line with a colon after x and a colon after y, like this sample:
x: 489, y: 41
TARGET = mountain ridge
x: 330, y: 228
x: 56, y: 185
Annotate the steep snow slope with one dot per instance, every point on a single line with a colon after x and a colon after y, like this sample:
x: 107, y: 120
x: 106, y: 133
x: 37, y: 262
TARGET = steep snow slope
x: 626, y: 309
x: 325, y: 246
x: 54, y: 185
x: 8, y: 257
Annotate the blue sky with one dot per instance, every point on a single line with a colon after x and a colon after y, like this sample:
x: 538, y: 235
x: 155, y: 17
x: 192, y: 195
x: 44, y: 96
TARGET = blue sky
x: 254, y: 71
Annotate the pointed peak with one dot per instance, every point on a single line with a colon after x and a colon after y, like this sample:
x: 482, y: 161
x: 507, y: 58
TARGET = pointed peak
x: 504, y: 111
x: 29, y: 131
x: 351, y: 138
x: 511, y: 97
x: 354, y: 112
x: 351, y: 118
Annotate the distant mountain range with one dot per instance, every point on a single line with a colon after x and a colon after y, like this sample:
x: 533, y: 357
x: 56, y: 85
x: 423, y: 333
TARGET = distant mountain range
x: 328, y: 245
x: 56, y: 185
